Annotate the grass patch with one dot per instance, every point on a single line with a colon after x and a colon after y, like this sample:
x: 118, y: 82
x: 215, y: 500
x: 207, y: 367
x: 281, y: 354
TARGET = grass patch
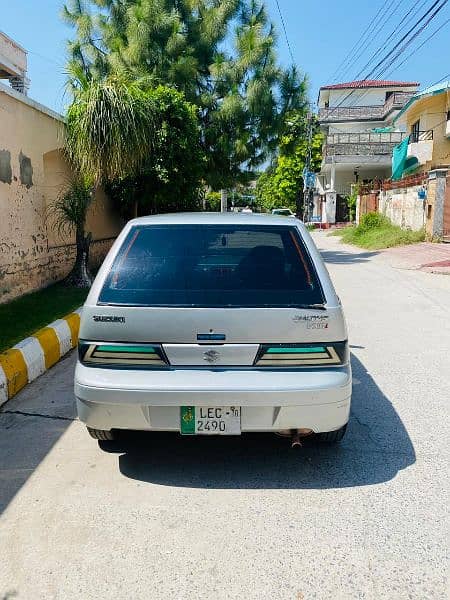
x: 22, y: 317
x: 376, y: 231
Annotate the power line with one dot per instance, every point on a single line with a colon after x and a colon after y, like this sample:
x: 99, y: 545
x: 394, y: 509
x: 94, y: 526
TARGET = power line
x: 410, y: 55
x: 422, y: 44
x: 361, y: 38
x: 397, y: 29
x: 378, y: 29
x: 285, y: 32
x: 442, y: 78
x: 414, y: 35
x: 394, y: 48
x: 46, y: 58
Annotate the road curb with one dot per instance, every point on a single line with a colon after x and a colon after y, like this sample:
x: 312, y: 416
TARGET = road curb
x: 30, y: 358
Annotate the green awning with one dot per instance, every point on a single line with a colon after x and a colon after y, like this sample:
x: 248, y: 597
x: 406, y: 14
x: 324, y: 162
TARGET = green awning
x: 411, y: 165
x: 382, y: 129
x: 399, y: 155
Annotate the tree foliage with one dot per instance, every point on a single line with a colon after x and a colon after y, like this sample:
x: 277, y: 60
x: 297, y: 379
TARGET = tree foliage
x: 281, y: 185
x: 142, y: 144
x: 219, y: 53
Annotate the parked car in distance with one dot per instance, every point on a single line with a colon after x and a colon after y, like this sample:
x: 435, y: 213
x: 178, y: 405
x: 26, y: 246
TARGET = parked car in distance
x: 283, y: 212
x: 207, y: 323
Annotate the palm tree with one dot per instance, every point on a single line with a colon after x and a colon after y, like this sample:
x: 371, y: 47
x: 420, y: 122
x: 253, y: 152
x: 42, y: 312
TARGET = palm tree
x: 68, y: 215
x: 110, y: 128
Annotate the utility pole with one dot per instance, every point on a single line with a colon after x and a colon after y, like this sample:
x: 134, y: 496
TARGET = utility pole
x: 223, y: 200
x: 307, y: 188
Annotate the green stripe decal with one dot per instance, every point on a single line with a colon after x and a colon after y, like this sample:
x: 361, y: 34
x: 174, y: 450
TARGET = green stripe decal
x: 131, y: 349
x: 295, y: 350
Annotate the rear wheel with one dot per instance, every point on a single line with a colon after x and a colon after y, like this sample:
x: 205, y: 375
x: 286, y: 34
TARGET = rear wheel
x: 332, y: 437
x: 101, y: 434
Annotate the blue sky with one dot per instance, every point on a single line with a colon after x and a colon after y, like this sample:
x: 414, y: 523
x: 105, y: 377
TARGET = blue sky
x: 320, y: 33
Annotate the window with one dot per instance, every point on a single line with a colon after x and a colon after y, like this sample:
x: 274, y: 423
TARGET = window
x: 388, y: 95
x: 212, y: 266
x: 415, y: 130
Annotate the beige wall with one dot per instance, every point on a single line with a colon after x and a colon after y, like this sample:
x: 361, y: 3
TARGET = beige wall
x: 32, y: 173
x: 403, y: 207
x: 432, y: 113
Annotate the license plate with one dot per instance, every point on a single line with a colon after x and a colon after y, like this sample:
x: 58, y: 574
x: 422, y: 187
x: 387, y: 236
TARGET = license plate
x: 210, y: 420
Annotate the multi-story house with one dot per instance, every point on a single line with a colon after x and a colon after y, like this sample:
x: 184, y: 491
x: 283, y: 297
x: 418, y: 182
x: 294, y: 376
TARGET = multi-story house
x: 13, y: 63
x: 356, y: 120
x: 426, y: 118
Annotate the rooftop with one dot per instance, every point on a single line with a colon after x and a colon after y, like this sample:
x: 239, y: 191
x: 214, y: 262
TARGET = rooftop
x: 434, y: 90
x: 369, y: 83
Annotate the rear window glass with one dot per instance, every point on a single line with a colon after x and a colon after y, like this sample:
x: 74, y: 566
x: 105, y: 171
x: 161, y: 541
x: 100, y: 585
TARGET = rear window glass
x: 212, y: 266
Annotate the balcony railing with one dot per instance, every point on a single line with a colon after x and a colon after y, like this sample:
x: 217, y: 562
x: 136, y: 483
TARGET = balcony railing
x: 364, y: 113
x: 421, y: 136
x: 362, y: 144
x: 392, y: 137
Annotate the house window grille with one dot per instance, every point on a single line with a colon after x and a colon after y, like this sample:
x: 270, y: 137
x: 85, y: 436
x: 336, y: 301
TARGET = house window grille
x: 415, y: 130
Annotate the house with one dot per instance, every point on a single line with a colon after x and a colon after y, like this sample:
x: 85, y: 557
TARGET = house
x: 13, y: 64
x: 356, y: 119
x: 426, y: 118
x: 33, y: 172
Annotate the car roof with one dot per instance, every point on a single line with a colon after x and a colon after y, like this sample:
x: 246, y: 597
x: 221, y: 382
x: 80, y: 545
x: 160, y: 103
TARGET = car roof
x: 210, y: 218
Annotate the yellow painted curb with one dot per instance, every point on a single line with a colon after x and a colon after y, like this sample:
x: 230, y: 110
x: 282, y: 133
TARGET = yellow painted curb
x: 73, y: 321
x: 50, y: 345
x: 26, y: 361
x: 15, y: 369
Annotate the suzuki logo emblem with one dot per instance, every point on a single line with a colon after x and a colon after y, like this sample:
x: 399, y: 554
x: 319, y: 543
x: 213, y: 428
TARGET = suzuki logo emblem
x: 211, y: 356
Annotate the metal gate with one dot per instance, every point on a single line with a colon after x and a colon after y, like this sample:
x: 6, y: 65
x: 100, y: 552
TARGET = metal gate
x: 368, y: 203
x: 341, y: 209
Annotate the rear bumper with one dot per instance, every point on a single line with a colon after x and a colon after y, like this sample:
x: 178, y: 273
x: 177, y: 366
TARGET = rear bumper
x: 270, y: 400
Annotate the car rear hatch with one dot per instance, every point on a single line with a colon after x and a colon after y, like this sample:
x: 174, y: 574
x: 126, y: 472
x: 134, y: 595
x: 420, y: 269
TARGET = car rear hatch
x: 217, y: 295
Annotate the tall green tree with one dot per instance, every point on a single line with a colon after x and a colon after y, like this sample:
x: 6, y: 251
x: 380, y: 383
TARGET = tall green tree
x: 219, y: 53
x: 143, y: 144
x: 281, y: 185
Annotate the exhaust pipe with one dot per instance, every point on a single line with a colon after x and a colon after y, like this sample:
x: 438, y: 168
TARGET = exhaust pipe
x: 296, y: 434
x: 295, y: 440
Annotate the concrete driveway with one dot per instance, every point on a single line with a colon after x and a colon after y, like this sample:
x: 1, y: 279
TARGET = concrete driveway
x: 162, y: 517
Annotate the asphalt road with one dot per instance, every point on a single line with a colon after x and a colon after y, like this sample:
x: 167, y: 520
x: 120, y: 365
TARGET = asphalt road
x: 162, y: 517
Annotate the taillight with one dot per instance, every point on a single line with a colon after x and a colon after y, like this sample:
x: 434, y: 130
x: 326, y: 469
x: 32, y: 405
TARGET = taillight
x: 125, y: 355
x: 299, y: 355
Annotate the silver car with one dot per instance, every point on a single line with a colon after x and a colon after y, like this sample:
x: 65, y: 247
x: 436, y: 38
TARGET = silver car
x: 206, y: 323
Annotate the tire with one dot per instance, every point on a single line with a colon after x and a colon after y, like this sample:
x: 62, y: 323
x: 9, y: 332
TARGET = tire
x: 101, y: 434
x: 332, y: 437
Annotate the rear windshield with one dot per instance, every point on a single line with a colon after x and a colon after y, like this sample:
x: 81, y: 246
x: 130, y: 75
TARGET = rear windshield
x: 212, y: 266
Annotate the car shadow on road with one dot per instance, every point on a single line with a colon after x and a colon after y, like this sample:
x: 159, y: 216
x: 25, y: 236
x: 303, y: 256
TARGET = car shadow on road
x: 31, y: 424
x: 342, y: 257
x: 375, y: 449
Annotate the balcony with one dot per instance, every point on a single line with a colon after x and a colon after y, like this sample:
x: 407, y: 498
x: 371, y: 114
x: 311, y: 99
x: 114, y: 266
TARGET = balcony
x: 420, y: 146
x: 361, y: 144
x: 364, y: 113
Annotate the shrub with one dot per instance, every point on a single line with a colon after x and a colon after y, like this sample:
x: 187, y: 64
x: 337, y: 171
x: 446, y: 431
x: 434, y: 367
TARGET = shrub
x: 373, y: 220
x: 376, y: 231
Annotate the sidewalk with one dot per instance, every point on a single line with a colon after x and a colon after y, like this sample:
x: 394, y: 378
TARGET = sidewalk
x: 428, y: 257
